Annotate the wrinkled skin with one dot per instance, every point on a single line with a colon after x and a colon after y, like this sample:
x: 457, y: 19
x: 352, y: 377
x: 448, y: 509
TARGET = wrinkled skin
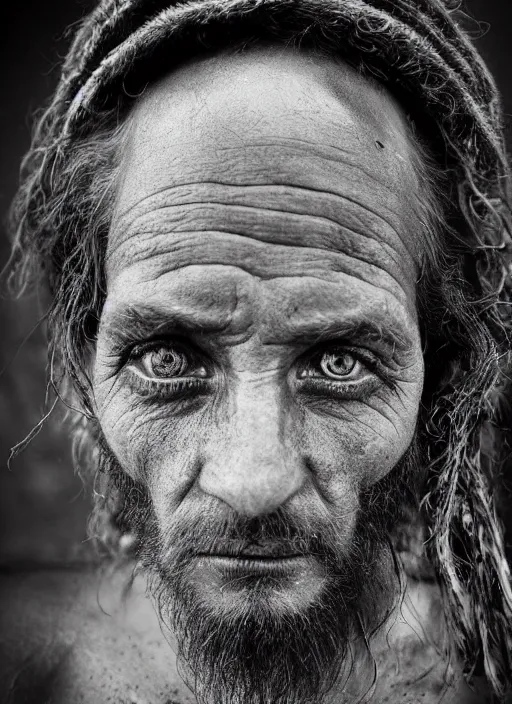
x: 257, y: 217
x: 258, y: 351
x: 259, y: 345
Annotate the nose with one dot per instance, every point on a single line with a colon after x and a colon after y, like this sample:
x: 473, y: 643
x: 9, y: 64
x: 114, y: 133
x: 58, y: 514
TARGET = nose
x: 253, y: 463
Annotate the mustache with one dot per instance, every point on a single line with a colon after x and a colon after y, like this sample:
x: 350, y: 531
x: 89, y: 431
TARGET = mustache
x: 253, y: 653
x: 280, y: 532
x: 218, y: 530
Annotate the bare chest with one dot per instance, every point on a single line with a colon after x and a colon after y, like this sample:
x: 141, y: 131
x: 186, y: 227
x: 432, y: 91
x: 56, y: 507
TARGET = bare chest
x: 125, y: 671
x: 108, y: 651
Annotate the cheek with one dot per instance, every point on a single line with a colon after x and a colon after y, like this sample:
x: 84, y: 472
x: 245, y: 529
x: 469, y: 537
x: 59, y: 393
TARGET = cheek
x: 351, y: 447
x: 344, y: 446
x: 158, y: 449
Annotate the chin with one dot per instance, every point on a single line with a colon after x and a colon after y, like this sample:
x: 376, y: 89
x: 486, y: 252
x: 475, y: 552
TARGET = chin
x: 281, y: 630
x: 276, y: 609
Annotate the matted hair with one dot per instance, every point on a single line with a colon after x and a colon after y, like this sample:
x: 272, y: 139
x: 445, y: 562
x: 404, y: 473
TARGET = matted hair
x: 417, y: 50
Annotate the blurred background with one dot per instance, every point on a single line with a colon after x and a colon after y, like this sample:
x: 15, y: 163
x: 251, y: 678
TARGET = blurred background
x: 43, y: 507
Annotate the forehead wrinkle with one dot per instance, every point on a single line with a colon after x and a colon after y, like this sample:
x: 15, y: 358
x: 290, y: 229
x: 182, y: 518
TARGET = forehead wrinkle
x: 265, y: 225
x: 186, y: 192
x: 317, y: 150
x: 348, y: 195
x: 167, y: 255
x: 291, y: 198
x: 192, y: 169
x: 355, y: 172
x: 172, y: 143
x: 266, y: 213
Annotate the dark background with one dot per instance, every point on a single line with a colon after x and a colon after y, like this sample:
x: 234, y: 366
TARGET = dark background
x: 43, y: 507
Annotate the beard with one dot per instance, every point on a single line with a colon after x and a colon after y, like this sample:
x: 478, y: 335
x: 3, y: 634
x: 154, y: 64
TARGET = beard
x: 242, y: 639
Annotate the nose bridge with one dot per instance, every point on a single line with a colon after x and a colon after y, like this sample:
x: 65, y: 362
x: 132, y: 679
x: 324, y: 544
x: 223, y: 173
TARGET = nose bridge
x: 252, y: 464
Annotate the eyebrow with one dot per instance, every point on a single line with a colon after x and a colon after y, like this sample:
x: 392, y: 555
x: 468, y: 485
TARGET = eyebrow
x: 376, y: 333
x: 130, y: 325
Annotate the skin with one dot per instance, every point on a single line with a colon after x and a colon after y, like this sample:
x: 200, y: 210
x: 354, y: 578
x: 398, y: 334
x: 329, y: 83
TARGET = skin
x: 267, y: 207
x: 267, y: 226
x: 70, y: 636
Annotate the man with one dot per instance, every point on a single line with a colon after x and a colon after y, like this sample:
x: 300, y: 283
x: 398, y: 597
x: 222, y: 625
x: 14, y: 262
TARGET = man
x: 275, y: 238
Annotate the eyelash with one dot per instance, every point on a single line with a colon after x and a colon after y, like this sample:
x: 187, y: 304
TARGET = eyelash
x: 179, y: 389
x: 182, y: 388
x: 356, y: 390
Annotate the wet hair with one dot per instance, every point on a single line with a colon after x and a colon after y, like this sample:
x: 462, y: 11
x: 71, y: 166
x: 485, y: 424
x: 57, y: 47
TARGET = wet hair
x: 415, y: 48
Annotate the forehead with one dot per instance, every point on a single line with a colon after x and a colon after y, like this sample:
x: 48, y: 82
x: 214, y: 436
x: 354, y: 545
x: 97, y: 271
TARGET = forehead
x: 279, y: 163
x: 215, y: 117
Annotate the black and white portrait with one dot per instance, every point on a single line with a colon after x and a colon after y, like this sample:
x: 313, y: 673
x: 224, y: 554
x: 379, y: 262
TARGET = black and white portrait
x: 256, y: 359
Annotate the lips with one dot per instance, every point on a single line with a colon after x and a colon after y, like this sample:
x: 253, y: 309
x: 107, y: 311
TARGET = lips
x: 255, y: 566
x: 246, y: 560
x: 254, y: 551
x: 271, y: 559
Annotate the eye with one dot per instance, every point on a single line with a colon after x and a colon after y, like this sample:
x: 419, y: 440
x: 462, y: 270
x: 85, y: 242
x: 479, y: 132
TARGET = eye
x: 339, y: 372
x: 165, y: 363
x: 339, y: 365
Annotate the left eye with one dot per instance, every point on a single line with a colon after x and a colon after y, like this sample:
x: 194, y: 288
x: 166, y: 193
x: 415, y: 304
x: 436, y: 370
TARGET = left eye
x: 164, y: 363
x: 338, y: 365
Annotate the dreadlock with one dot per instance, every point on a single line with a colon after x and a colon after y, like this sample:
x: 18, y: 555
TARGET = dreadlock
x: 415, y: 48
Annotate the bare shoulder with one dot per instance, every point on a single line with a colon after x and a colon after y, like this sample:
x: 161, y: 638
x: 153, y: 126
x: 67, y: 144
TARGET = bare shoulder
x: 73, y: 635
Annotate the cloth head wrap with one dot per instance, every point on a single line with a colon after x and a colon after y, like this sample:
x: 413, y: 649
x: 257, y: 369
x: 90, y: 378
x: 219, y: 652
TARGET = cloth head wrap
x: 417, y: 49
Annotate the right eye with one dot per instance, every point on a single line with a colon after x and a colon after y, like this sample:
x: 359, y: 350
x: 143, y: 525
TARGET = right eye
x: 339, y: 371
x: 341, y: 366
x: 165, y: 363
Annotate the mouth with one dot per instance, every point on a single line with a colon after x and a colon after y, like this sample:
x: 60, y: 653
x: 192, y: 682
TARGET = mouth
x: 251, y: 564
x: 275, y: 573
x: 254, y: 550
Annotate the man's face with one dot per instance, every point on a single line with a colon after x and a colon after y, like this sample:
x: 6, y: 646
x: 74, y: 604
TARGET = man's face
x: 258, y: 367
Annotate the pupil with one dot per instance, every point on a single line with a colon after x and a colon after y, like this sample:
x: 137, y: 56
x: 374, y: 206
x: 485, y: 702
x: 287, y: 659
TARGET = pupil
x: 167, y: 363
x: 338, y: 364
